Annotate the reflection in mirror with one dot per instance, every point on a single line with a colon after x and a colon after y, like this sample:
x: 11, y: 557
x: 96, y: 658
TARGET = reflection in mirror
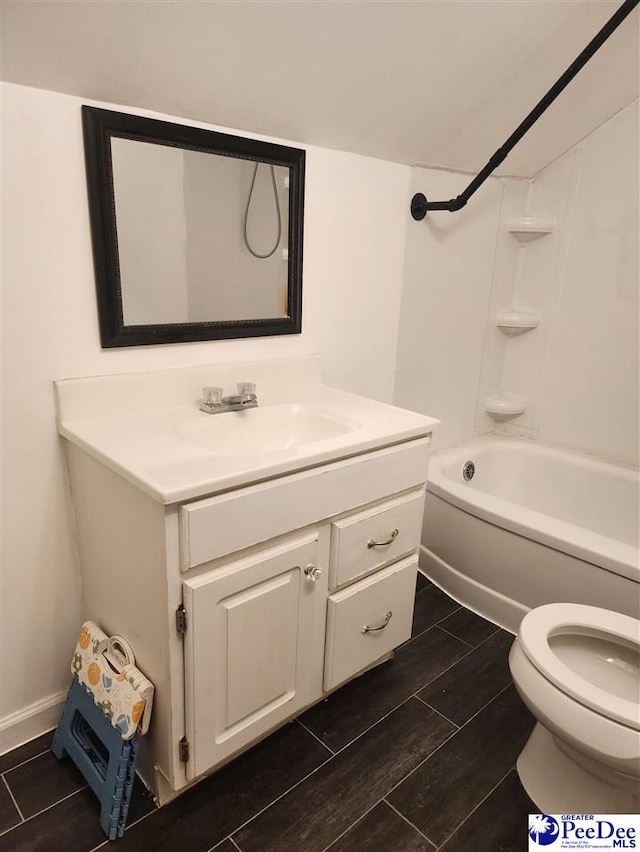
x: 186, y: 254
x: 197, y: 235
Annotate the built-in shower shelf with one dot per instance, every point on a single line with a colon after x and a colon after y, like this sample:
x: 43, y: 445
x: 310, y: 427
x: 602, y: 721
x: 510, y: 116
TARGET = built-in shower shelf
x: 528, y: 228
x: 504, y: 406
x: 511, y: 321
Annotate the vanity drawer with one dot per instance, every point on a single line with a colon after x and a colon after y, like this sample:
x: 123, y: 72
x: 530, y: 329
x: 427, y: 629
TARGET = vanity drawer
x: 374, y: 537
x: 368, y: 619
x: 229, y: 522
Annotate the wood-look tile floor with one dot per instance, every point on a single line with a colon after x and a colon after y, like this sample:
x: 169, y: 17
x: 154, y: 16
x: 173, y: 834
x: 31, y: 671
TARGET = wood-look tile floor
x: 415, y: 755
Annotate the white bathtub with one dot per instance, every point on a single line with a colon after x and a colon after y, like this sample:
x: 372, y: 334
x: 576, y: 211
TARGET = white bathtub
x: 533, y: 525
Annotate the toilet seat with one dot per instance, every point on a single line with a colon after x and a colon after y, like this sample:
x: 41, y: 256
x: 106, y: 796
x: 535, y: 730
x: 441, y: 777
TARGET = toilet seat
x: 580, y: 620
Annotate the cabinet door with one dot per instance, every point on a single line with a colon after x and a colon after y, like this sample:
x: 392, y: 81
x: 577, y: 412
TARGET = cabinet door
x: 253, y: 647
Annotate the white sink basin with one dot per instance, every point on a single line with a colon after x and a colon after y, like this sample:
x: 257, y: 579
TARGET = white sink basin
x: 147, y: 427
x: 267, y: 429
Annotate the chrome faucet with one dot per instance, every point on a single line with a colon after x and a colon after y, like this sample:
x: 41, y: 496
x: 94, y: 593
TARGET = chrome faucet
x: 213, y: 401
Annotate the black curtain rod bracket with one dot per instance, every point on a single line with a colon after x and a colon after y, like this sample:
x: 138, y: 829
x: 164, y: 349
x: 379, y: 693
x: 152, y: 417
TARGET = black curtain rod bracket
x: 419, y: 204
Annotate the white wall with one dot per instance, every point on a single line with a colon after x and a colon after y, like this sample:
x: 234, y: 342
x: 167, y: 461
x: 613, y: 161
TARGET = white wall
x: 450, y: 265
x: 587, y: 396
x: 579, y: 370
x: 354, y: 242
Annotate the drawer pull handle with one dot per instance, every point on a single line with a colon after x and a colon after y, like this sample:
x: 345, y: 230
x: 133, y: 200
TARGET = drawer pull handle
x: 387, y: 619
x: 392, y: 537
x: 313, y: 572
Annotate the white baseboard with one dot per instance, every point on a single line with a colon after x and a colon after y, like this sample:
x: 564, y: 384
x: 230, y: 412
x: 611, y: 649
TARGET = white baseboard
x: 28, y: 723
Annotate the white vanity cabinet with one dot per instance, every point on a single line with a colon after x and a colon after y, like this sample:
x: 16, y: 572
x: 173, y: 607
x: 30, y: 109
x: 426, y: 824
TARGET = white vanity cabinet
x: 264, y: 639
x: 248, y: 589
x: 246, y: 607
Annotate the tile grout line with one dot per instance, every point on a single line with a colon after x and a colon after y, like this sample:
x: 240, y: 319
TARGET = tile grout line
x: 444, y: 742
x: 104, y: 844
x: 453, y: 665
x: 339, y: 752
x: 487, y: 703
x: 492, y: 635
x: 397, y: 706
x: 453, y: 733
x: 277, y: 799
x: 384, y: 798
x: 377, y: 722
x: 408, y: 821
x: 438, y: 712
x: 479, y: 710
x: 444, y: 671
x: 44, y: 810
x: 366, y: 813
x: 24, y: 762
x: 436, y: 624
x: 413, y: 695
x: 464, y: 640
x: 422, y: 762
x: 333, y: 755
x: 304, y: 727
x: 353, y: 824
x: 13, y: 799
x: 455, y: 636
x: 448, y: 615
x: 219, y: 844
x: 480, y: 803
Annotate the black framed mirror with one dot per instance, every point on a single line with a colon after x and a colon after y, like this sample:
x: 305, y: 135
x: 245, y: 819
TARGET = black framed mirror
x: 197, y: 235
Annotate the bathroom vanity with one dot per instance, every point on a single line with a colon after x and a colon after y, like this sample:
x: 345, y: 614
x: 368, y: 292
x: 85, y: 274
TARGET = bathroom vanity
x: 255, y: 560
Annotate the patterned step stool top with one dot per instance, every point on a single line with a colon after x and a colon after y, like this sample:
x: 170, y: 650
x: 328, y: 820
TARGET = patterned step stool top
x: 106, y: 667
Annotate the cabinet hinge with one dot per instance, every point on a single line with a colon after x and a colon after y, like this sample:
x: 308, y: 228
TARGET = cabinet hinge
x: 183, y: 747
x: 181, y: 619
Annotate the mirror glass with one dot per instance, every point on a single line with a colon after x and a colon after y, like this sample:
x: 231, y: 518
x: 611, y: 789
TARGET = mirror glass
x: 197, y: 235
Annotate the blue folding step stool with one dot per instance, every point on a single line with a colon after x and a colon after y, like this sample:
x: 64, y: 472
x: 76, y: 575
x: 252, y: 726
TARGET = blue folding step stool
x: 96, y: 747
x: 108, y: 708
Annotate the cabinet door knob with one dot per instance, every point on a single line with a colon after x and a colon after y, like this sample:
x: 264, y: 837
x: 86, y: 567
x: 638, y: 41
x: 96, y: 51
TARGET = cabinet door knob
x: 392, y: 537
x: 387, y: 619
x: 313, y: 572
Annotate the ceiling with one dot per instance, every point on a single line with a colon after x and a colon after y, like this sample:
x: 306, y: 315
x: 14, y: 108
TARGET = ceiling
x: 432, y: 82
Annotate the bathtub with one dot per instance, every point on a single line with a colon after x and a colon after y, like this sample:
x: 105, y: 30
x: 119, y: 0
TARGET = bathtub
x: 531, y: 525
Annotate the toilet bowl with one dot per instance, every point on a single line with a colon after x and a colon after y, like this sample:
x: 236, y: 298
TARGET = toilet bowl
x: 577, y: 668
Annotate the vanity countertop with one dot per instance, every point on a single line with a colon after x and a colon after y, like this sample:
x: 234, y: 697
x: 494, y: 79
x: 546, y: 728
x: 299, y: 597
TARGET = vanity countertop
x: 147, y: 427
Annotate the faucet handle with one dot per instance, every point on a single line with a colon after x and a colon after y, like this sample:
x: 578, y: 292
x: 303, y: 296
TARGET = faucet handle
x: 247, y: 388
x: 212, y: 395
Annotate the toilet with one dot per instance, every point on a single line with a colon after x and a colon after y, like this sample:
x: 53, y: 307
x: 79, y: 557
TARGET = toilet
x: 577, y: 668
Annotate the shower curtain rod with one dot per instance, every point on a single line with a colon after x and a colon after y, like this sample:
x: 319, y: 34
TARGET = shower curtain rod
x: 419, y: 203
